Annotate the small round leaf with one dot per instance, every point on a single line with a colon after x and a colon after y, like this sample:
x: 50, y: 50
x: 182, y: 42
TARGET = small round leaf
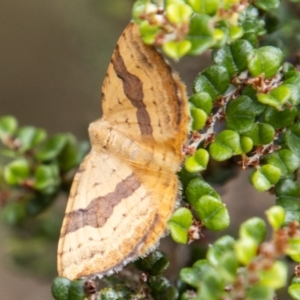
x: 212, y: 213
x: 17, y: 171
x: 198, y: 161
x: 254, y: 228
x: 275, y: 216
x: 213, y: 80
x: 8, y: 126
x: 60, y: 288
x: 265, y: 60
x: 245, y: 250
x: 154, y: 264
x: 199, y: 118
x: 197, y: 188
x: 202, y: 100
x: 226, y: 144
x: 76, y: 291
x: 261, y: 134
x: 178, y: 13
x: 179, y: 224
x: 176, y: 49
x: 265, y: 177
x: 294, y: 291
x: 275, y: 276
x: 208, y: 7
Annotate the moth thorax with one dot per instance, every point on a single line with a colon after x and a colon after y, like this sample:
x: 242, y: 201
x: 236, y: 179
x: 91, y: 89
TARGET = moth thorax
x: 99, y: 132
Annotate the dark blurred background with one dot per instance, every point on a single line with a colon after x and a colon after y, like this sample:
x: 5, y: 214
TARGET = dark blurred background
x: 53, y: 58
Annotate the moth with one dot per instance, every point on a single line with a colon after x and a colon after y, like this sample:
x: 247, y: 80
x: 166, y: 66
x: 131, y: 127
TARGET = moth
x: 126, y: 188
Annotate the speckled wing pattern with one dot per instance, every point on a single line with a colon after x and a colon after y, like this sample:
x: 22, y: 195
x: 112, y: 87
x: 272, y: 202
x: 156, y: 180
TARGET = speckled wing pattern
x: 126, y: 188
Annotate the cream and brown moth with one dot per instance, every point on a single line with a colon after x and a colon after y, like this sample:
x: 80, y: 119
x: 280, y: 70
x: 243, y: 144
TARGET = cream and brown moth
x: 126, y: 188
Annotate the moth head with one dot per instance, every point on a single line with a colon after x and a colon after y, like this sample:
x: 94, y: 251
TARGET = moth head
x: 99, y: 131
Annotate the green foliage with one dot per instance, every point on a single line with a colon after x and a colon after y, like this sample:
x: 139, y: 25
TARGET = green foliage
x: 35, y: 168
x: 154, y: 264
x: 244, y: 108
x: 208, y: 26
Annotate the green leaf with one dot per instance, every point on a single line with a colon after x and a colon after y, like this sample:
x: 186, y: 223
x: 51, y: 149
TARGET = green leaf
x: 293, y: 83
x: 285, y: 160
x: 226, y: 144
x: 245, y: 250
x: 176, y: 49
x: 214, y: 80
x: 199, y: 118
x: 60, y: 288
x: 280, y: 119
x: 257, y: 107
x: 76, y: 291
x: 203, y: 101
x: 186, y: 177
x: 193, y: 276
x: 227, y: 4
x: 275, y: 276
x: 212, y: 287
x: 294, y: 290
x: 198, y: 188
x: 8, y: 126
x: 275, y: 216
x: 13, y: 213
x: 118, y: 292
x: 52, y: 148
x: 17, y: 171
x: 212, y: 213
x: 154, y: 264
x: 277, y: 97
x: 234, y: 56
x: 200, y: 34
x: 219, y: 247
x: 265, y: 60
x: 252, y: 25
x: 265, y: 177
x: 287, y: 187
x: 178, y: 13
x: 208, y: 7
x: 235, y: 32
x: 246, y: 144
x: 292, y: 138
x: 161, y: 288
x: 29, y: 137
x: 261, y: 134
x: 254, y: 228
x: 291, y: 207
x: 198, y: 161
x: 179, y: 225
x: 47, y: 178
x: 139, y: 8
x: 239, y: 115
x: 293, y: 249
x: 259, y: 292
x: 228, y: 266
x: 220, y: 36
x: 148, y: 32
x: 267, y: 4
x: 70, y: 155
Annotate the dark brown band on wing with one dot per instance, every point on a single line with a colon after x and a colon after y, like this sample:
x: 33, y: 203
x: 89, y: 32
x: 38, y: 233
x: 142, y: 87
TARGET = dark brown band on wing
x: 101, y: 208
x: 154, y: 60
x: 133, y: 89
x: 132, y: 255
